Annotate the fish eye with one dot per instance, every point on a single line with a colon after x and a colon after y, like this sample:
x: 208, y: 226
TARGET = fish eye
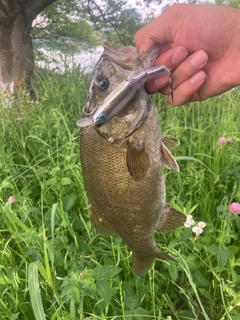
x: 102, y: 83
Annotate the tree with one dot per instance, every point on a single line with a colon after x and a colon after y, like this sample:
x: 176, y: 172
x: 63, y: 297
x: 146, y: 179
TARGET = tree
x: 230, y: 3
x: 59, y: 24
x: 114, y: 18
x: 64, y: 27
x: 16, y: 53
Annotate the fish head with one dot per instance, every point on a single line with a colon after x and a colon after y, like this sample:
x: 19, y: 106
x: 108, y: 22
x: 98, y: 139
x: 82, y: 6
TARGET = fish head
x: 114, y: 66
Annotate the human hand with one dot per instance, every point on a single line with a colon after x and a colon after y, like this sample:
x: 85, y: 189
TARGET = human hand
x: 201, y: 44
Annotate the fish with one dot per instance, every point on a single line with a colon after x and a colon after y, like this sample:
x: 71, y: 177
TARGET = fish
x: 123, y: 161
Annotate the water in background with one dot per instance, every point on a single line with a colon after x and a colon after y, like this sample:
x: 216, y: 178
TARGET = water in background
x: 59, y: 62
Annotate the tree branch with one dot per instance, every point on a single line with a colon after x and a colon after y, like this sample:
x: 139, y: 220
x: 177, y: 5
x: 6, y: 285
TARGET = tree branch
x: 32, y: 8
x: 106, y: 20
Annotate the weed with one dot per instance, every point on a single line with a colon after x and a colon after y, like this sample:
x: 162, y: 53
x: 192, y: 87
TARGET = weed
x: 54, y: 265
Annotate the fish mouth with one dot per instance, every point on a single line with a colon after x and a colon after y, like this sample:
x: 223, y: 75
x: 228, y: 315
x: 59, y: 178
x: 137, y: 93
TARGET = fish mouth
x: 116, y: 64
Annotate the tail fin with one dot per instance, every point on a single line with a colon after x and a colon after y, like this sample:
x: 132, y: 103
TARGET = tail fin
x: 141, y: 265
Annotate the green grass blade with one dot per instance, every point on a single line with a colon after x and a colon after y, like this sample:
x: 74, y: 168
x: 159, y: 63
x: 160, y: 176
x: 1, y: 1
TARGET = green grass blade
x: 196, y: 160
x: 34, y: 291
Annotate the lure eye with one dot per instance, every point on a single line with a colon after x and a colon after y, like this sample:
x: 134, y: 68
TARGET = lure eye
x: 102, y: 84
x: 101, y: 119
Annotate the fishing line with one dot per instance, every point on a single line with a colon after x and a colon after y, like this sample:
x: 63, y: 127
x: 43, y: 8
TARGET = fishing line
x: 85, y: 131
x: 40, y: 161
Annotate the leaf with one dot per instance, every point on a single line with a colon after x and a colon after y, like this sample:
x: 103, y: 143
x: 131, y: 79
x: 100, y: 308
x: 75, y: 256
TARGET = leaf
x: 213, y: 249
x: 223, y: 257
x: 51, y: 181
x: 140, y: 314
x: 34, y: 291
x: 173, y: 270
x: 14, y: 316
x: 68, y: 201
x: 66, y: 181
x: 104, y: 290
x: 105, y: 272
x: 131, y: 302
x: 200, y: 280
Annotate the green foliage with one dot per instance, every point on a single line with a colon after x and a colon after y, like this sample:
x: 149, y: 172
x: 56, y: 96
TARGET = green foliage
x: 54, y: 265
x: 63, y: 26
x: 114, y: 19
x: 230, y: 3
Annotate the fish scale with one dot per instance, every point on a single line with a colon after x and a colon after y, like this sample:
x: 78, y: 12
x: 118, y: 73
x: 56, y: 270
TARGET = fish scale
x: 124, y: 178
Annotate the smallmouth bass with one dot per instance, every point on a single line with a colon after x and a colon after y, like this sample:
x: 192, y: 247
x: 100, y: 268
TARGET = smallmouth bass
x: 122, y: 161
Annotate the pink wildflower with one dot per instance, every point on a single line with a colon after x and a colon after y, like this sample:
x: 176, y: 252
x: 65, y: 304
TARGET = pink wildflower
x: 229, y: 141
x: 12, y: 199
x: 221, y: 141
x: 234, y: 208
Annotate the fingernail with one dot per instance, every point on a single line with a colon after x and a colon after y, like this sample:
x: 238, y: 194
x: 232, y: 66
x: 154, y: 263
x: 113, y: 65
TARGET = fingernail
x: 198, y: 77
x: 179, y: 56
x: 199, y: 58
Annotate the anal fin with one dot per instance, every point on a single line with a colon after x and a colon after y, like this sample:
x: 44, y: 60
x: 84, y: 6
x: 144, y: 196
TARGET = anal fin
x: 171, y: 219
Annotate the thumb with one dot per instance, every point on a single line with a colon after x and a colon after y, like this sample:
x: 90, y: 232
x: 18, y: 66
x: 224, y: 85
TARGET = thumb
x: 143, y: 43
x: 159, y: 30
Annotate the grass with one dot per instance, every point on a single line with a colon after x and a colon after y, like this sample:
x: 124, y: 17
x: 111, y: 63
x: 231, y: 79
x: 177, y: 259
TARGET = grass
x: 54, y: 265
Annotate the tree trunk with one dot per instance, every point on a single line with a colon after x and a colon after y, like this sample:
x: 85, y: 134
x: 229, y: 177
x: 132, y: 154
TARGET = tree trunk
x: 16, y: 52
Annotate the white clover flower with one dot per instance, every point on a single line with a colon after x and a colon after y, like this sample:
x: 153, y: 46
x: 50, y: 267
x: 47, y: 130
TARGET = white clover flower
x: 201, y: 224
x: 187, y: 224
x: 197, y: 230
x: 190, y: 221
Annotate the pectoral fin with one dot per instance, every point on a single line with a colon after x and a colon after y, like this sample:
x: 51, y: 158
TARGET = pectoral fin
x: 168, y: 158
x: 99, y: 223
x: 171, y: 219
x: 137, y: 159
x: 170, y: 142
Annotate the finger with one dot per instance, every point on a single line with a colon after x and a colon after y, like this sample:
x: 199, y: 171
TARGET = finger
x: 184, y: 71
x: 188, y: 90
x: 171, y: 59
x: 189, y: 67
